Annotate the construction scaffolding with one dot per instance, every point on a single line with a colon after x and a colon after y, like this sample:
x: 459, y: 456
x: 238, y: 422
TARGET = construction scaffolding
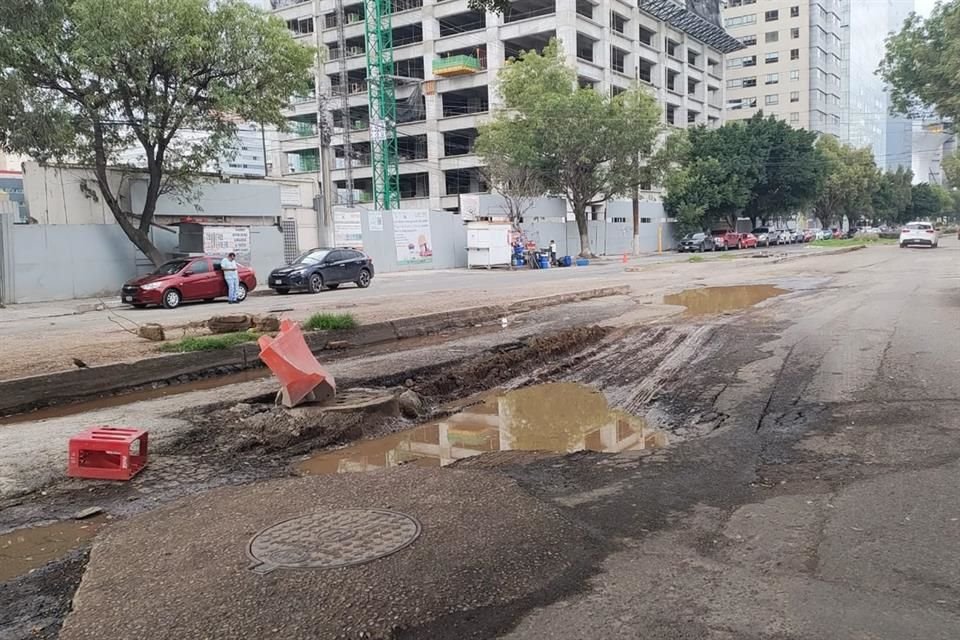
x: 383, y: 104
x: 344, y: 96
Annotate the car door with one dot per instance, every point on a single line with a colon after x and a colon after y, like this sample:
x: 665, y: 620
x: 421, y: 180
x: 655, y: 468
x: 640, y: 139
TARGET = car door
x: 334, y: 269
x: 201, y: 283
x: 354, y: 261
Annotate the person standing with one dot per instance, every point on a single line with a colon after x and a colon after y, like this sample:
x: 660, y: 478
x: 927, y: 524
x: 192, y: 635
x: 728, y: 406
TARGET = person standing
x: 229, y: 267
x: 553, y: 253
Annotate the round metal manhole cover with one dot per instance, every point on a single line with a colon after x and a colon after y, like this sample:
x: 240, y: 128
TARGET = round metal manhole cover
x: 332, y: 539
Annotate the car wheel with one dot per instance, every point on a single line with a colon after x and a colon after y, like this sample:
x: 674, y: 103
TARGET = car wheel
x: 283, y: 292
x: 241, y: 292
x: 316, y: 283
x: 364, y: 280
x: 171, y: 298
x: 333, y: 286
x: 903, y: 245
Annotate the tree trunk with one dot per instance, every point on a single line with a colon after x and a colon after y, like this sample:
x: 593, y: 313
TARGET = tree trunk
x: 636, y: 221
x: 580, y: 214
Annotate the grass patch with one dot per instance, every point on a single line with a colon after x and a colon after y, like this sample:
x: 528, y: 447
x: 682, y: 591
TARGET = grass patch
x: 695, y: 259
x: 852, y: 242
x: 208, y: 343
x: 330, y: 322
x: 727, y: 256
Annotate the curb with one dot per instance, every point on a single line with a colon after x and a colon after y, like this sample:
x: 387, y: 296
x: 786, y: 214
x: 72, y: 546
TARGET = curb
x: 25, y: 394
x: 820, y: 254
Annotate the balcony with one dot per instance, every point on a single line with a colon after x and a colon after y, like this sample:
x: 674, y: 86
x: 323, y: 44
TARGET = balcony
x: 460, y: 65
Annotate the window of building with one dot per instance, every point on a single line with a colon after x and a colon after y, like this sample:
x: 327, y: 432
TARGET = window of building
x: 745, y: 61
x: 300, y: 26
x: 794, y: 116
x: 748, y: 41
x: 771, y: 98
x: 740, y: 3
x: 794, y: 54
x: 673, y: 48
x: 771, y: 16
x: 739, y: 21
x: 794, y: 96
x: 742, y: 103
x: 772, y: 78
x: 795, y: 75
x: 750, y: 82
x: 771, y: 56
x: 618, y: 22
x: 795, y: 33
x: 771, y: 36
x: 647, y: 36
x: 795, y: 12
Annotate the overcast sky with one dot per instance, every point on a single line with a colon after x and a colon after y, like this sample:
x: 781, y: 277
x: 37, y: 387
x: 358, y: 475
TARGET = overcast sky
x: 923, y: 7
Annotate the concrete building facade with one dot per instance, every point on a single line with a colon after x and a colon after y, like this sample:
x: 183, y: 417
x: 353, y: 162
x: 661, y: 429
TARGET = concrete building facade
x: 449, y: 56
x: 792, y: 64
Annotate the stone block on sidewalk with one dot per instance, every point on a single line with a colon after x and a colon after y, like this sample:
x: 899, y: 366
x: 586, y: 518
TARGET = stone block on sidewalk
x: 232, y: 323
x: 151, y: 331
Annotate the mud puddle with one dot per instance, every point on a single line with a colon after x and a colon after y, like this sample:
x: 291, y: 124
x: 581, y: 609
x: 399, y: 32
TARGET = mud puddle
x: 122, y: 398
x: 31, y: 548
x: 557, y: 417
x: 710, y: 300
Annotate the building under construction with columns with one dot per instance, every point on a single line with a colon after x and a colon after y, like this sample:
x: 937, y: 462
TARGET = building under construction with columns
x: 445, y: 58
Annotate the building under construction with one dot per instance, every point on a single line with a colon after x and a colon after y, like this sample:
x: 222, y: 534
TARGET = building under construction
x: 404, y: 84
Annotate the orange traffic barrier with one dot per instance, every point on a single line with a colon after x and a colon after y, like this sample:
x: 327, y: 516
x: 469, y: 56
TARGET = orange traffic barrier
x: 301, y: 377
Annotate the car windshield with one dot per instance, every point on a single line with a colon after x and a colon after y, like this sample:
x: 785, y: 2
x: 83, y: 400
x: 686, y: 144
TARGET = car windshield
x: 170, y: 268
x: 312, y: 257
x: 916, y: 226
x: 693, y: 236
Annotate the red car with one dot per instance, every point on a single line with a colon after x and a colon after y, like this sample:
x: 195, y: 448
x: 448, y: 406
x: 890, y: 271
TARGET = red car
x: 185, y: 279
x: 724, y: 239
x: 748, y: 241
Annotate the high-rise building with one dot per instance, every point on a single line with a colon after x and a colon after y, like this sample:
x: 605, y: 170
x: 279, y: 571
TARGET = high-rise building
x: 791, y: 65
x: 813, y: 63
x: 446, y: 57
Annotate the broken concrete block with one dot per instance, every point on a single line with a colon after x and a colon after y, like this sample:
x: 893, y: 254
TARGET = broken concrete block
x: 411, y: 404
x: 151, y: 331
x: 230, y: 324
x: 266, y: 324
x: 89, y: 512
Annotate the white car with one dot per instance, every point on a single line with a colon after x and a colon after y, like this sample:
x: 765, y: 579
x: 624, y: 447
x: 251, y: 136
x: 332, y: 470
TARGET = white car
x: 920, y: 233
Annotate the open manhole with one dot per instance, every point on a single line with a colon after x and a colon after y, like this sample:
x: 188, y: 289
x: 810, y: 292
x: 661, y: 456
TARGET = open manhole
x: 330, y: 539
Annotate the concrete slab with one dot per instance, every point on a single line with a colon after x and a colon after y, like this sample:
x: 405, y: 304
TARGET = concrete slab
x: 182, y: 571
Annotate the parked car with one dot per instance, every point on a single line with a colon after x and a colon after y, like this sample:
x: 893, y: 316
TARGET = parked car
x: 809, y: 235
x: 725, y: 239
x: 919, y: 233
x: 696, y: 242
x: 184, y: 279
x: 317, y: 269
x: 763, y: 236
x: 747, y: 241
x: 796, y: 236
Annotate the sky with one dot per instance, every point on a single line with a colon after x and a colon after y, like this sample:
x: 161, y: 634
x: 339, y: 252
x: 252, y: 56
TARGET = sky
x: 923, y: 7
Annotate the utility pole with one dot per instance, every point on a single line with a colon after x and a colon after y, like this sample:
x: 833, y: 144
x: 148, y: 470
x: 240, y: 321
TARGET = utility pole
x: 325, y: 215
x: 263, y: 141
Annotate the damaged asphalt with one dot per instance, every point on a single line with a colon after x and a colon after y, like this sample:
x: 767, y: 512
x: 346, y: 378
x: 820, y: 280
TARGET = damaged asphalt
x: 809, y: 493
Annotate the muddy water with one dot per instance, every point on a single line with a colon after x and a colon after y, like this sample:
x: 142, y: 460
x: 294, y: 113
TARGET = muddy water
x: 709, y: 300
x: 26, y: 549
x: 560, y: 418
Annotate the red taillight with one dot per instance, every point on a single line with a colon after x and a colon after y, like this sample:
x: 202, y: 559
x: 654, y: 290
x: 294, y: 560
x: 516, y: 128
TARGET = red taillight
x: 904, y: 230
x: 929, y: 230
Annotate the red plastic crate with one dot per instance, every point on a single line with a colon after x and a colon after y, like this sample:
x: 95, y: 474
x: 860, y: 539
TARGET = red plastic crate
x: 108, y: 453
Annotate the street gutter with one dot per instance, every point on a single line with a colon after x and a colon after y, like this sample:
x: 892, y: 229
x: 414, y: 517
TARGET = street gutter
x: 26, y: 394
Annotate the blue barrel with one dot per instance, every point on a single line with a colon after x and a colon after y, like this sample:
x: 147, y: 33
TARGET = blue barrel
x: 544, y: 262
x: 567, y: 261
x: 582, y: 262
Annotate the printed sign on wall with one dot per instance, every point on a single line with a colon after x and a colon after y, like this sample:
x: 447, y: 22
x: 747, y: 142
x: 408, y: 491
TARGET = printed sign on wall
x: 219, y: 241
x: 346, y: 229
x: 411, y: 234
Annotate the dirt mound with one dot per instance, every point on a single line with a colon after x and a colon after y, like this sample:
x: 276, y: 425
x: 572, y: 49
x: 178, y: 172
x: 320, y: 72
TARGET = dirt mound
x: 508, y: 361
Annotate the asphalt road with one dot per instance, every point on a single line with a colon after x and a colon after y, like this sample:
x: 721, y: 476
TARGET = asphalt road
x: 810, y: 492
x: 825, y: 505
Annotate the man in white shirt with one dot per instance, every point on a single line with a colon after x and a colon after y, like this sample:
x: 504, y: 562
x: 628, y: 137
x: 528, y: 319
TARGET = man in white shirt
x: 229, y: 267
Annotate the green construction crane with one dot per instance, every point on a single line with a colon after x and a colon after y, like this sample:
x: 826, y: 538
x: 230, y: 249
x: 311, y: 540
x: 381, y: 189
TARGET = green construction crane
x: 383, y: 105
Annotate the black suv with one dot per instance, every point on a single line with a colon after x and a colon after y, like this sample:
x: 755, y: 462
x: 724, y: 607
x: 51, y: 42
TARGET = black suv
x: 317, y: 269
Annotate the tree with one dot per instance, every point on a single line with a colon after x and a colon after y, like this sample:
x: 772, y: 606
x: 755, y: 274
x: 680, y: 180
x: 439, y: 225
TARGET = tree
x: 951, y: 170
x: 580, y: 143
x: 520, y: 186
x: 84, y: 80
x: 891, y: 197
x: 921, y: 62
x: 792, y: 173
x: 929, y: 201
x: 849, y: 184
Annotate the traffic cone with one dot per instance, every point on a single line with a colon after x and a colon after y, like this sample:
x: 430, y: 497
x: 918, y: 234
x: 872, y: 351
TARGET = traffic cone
x: 624, y: 257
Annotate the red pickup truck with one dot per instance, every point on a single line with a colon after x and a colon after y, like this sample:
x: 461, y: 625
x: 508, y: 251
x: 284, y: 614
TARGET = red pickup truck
x: 725, y: 239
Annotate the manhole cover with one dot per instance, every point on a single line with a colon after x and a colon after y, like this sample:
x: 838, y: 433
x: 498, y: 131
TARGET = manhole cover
x: 332, y: 539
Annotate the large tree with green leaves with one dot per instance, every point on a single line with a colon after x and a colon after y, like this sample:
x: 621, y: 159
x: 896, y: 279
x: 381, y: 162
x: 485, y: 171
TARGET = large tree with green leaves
x: 85, y: 80
x: 921, y: 62
x: 580, y: 143
x: 929, y: 202
x: 851, y: 176
x: 891, y: 196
